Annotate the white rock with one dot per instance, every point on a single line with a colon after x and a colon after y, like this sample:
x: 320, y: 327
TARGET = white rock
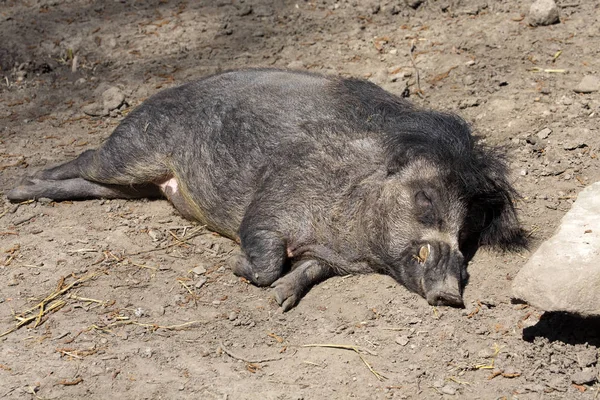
x: 543, y: 12
x: 564, y: 273
x: 588, y: 84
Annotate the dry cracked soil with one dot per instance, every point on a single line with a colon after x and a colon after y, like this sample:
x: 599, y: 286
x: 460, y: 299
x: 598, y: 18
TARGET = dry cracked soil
x: 125, y: 299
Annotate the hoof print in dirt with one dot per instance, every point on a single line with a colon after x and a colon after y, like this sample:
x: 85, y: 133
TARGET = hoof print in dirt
x: 315, y: 176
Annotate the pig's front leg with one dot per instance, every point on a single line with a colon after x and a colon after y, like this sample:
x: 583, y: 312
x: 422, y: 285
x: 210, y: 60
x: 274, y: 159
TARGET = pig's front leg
x: 290, y: 288
x: 263, y: 257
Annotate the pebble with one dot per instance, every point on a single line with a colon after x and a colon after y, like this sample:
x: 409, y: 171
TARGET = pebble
x: 587, y: 357
x: 216, y: 302
x: 588, y: 84
x: 200, y: 282
x: 586, y: 375
x: 467, y: 103
x: 414, y: 3
x: 245, y: 10
x: 439, y: 384
x: 296, y: 65
x: 199, y: 270
x: 155, y: 235
x: 402, y: 340
x: 572, y: 144
x: 112, y: 99
x: 468, y: 80
x: 544, y: 133
x: 543, y: 12
x: 148, y: 352
x: 232, y: 316
x: 139, y: 312
x: 447, y: 389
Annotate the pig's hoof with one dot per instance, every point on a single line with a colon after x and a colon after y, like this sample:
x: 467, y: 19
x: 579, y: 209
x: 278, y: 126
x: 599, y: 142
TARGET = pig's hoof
x: 26, y: 191
x: 286, y: 292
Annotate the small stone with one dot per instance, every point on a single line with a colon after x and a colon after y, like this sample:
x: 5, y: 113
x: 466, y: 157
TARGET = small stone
x: 468, y: 80
x: 543, y: 12
x: 523, y: 172
x: 245, y: 10
x: 586, y: 375
x: 449, y: 390
x: 139, y: 312
x: 588, y: 84
x: 469, y: 102
x: 296, y: 65
x: 112, y: 98
x: 199, y: 270
x: 402, y: 340
x: 544, y: 133
x: 567, y: 101
x: 438, y: 384
x: 200, y: 283
x: 216, y: 302
x: 572, y: 144
x: 155, y: 235
x: 414, y: 4
x: 587, y: 357
x: 232, y: 316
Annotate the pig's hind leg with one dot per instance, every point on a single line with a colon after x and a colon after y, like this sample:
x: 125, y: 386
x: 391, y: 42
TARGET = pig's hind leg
x: 78, y: 188
x: 290, y: 288
x: 94, y: 174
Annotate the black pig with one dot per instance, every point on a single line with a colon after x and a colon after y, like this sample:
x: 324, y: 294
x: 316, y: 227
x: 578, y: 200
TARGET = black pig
x: 314, y: 175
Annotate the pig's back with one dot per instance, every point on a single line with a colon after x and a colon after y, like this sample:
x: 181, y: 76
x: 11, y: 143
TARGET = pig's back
x: 220, y: 134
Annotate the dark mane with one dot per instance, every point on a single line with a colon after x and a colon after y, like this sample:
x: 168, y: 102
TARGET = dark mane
x: 480, y: 172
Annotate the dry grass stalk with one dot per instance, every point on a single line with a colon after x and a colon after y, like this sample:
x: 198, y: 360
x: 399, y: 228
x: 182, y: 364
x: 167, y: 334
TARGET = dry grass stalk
x: 48, y: 305
x: 358, y: 350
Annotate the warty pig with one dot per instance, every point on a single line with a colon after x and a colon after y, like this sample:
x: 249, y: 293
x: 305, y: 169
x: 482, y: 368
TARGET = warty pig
x: 314, y: 175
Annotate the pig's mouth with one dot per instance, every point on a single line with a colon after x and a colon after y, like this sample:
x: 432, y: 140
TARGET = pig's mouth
x: 435, y: 273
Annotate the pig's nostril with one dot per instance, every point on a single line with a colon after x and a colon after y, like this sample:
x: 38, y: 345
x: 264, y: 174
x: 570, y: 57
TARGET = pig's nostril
x: 446, y: 299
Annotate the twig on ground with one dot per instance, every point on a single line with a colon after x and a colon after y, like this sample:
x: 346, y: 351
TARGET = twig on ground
x: 250, y: 361
x: 358, y: 350
x: 179, y: 241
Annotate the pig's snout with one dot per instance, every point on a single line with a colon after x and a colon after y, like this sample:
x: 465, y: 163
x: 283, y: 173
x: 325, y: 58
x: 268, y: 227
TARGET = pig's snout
x: 441, y: 298
x: 443, y: 274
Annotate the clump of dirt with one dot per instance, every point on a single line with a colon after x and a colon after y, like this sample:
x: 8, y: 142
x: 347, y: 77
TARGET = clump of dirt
x: 145, y: 304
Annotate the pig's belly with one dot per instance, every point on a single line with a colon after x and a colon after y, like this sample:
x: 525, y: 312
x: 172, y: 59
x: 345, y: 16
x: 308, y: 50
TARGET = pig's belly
x: 172, y: 191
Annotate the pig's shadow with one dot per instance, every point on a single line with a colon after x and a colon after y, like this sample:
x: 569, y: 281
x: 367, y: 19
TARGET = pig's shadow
x: 566, y: 328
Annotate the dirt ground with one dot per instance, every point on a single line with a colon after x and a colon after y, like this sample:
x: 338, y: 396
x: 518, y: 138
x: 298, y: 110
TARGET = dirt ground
x: 145, y: 305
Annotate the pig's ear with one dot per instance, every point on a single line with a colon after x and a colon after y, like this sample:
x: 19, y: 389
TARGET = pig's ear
x: 496, y: 199
x: 502, y: 228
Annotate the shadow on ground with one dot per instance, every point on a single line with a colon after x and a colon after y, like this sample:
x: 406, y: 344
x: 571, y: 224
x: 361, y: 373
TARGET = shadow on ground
x: 566, y: 328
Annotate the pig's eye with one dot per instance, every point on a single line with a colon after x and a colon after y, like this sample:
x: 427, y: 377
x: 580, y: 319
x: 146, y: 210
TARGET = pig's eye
x: 422, y: 200
x: 425, y: 210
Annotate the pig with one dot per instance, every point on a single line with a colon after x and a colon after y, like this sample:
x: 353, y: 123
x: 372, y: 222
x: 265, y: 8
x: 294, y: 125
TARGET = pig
x: 314, y: 176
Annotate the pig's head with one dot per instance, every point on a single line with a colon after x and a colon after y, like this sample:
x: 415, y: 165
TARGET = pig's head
x: 442, y: 198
